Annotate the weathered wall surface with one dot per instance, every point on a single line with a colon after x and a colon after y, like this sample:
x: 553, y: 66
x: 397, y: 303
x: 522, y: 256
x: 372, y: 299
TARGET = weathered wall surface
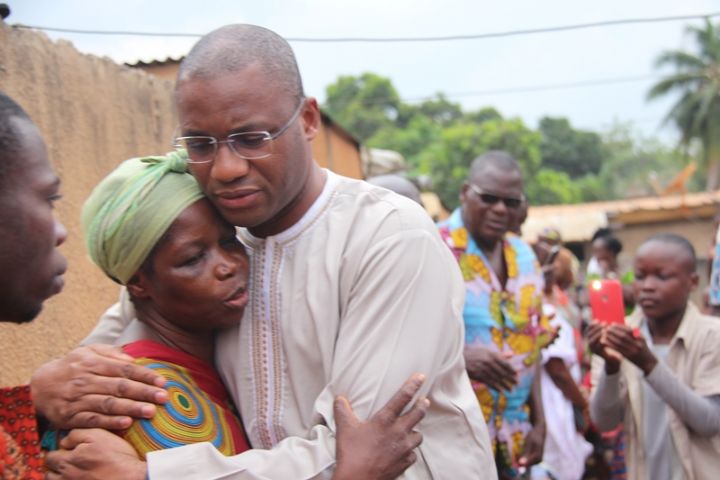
x: 335, y: 152
x: 93, y: 114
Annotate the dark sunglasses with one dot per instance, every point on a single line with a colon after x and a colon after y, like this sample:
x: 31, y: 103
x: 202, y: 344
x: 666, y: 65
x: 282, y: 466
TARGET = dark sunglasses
x: 490, y: 199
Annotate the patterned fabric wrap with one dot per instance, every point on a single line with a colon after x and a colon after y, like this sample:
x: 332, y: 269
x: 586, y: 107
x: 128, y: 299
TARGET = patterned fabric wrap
x: 20, y: 452
x: 130, y: 209
x: 509, y: 320
x: 199, y: 409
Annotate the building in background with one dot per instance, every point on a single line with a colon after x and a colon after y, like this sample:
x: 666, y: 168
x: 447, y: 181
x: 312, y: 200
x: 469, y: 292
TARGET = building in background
x: 632, y: 222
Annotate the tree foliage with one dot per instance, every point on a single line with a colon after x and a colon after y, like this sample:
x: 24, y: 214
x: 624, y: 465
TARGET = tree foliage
x: 363, y: 105
x: 696, y: 78
x: 560, y: 164
x: 575, y: 152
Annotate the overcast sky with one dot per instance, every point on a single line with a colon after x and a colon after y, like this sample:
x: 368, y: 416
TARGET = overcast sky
x: 460, y: 69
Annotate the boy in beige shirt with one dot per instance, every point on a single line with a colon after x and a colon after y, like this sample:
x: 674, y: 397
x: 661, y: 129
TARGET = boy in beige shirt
x: 659, y: 373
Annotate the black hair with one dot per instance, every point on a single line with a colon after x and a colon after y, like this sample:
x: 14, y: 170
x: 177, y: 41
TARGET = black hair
x: 601, y: 232
x: 11, y: 143
x: 677, y: 240
x: 610, y: 242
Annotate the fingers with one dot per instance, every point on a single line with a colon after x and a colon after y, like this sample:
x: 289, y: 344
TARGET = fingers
x: 344, y: 414
x: 415, y: 415
x: 115, y: 367
x: 501, y: 374
x: 621, y: 338
x: 104, y: 411
x: 505, y: 370
x: 56, y: 463
x: 83, y: 435
x: 96, y: 386
x: 394, y: 407
x: 110, y: 351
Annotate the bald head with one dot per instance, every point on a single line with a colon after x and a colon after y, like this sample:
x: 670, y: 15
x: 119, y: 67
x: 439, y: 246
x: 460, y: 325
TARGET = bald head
x: 496, y: 160
x: 233, y: 48
x: 397, y: 184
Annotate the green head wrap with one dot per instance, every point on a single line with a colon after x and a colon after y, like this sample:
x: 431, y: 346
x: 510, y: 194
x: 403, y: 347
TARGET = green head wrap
x: 131, y: 209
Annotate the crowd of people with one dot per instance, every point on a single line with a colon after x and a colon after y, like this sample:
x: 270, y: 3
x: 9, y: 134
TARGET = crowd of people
x: 279, y: 321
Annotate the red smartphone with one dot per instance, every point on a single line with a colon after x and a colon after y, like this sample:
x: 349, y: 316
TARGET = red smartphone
x: 606, y: 301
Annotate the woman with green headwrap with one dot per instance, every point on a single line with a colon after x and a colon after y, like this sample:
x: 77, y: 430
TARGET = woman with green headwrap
x: 148, y: 226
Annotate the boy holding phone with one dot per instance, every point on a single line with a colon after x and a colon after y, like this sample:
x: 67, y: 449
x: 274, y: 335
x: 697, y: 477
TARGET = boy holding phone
x: 658, y: 372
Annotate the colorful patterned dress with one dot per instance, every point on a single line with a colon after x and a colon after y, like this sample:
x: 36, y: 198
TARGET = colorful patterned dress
x: 199, y: 408
x: 19, y: 443
x: 505, y: 319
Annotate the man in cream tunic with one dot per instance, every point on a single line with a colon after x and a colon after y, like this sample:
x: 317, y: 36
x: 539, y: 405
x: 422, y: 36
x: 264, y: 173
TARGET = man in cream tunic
x: 352, y: 290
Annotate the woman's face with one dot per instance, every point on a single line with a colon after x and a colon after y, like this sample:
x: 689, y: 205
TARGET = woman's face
x: 605, y: 257
x: 199, y: 271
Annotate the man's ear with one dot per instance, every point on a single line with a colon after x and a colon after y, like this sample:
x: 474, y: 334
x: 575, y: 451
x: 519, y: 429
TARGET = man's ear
x: 137, y: 286
x: 694, y: 281
x: 463, y: 191
x: 311, y: 118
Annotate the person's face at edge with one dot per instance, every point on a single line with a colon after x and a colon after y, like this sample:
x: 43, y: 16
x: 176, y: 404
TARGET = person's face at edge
x: 664, y: 278
x: 604, y: 256
x: 266, y: 195
x: 486, y: 223
x: 198, y: 279
x: 31, y: 263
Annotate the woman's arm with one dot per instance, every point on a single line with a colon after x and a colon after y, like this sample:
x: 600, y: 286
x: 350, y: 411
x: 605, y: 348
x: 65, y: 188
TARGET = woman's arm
x: 561, y: 377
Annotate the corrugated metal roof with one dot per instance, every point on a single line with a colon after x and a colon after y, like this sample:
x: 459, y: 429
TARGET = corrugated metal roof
x: 578, y: 222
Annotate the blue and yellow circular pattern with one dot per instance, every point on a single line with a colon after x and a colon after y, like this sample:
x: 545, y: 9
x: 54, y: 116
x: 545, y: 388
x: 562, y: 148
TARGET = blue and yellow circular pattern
x: 189, y: 416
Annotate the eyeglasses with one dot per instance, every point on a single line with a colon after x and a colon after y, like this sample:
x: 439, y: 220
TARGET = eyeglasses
x: 491, y: 199
x: 247, y: 145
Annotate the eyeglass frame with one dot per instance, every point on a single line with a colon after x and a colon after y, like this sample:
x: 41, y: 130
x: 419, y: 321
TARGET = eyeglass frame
x: 509, y: 202
x: 229, y: 140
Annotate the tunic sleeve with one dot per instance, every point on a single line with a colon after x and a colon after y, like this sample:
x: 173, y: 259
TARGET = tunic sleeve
x: 113, y: 322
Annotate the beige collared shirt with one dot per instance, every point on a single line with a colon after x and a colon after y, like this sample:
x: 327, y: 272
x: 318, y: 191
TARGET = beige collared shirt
x: 694, y: 360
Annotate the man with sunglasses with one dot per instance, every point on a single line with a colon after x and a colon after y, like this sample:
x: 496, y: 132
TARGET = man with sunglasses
x: 351, y: 290
x: 505, y: 328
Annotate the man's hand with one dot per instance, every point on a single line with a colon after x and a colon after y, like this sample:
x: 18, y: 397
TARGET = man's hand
x: 94, y: 454
x: 596, y: 334
x: 382, y: 447
x: 631, y: 345
x: 97, y: 386
x: 490, y: 367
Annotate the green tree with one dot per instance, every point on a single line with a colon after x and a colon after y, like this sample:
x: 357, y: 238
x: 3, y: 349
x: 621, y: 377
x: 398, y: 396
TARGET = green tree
x: 410, y: 139
x: 633, y: 162
x: 441, y: 110
x: 549, y: 186
x: 363, y: 105
x: 564, y: 149
x: 483, y: 115
x: 697, y: 80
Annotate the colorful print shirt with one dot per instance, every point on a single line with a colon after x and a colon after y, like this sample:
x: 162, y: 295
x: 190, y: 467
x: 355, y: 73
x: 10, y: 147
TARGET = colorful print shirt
x: 505, y: 319
x: 19, y: 442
